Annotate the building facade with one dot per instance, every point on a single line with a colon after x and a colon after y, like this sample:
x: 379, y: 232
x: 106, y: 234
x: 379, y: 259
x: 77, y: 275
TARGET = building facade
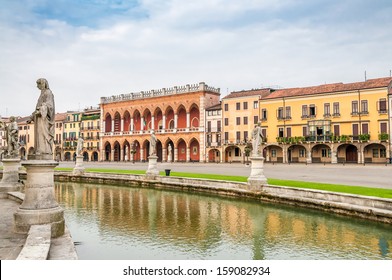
x: 71, y: 132
x: 213, y: 127
x: 332, y: 123
x: 240, y: 113
x: 176, y: 115
x: 89, y: 130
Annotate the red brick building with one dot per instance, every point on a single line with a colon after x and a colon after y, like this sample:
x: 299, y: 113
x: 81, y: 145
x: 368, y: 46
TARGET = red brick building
x: 176, y: 115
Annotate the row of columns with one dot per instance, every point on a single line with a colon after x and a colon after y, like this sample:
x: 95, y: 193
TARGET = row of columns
x: 188, y: 122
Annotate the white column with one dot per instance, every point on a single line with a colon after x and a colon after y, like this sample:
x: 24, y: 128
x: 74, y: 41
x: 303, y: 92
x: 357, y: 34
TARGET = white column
x: 131, y: 128
x: 103, y: 126
x: 188, y: 154
x: 122, y: 125
x: 153, y: 123
x: 112, y: 155
x: 141, y: 154
x: 175, y: 121
x: 121, y: 154
x: 164, y: 154
x: 188, y: 120
x: 112, y: 125
x: 142, y: 123
x: 175, y: 154
x: 164, y: 122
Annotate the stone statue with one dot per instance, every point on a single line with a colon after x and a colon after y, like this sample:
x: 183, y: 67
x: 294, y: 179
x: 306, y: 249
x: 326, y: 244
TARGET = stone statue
x: 153, y: 144
x: 169, y: 156
x: 79, y: 147
x: 43, y: 118
x: 11, y: 136
x: 257, y: 138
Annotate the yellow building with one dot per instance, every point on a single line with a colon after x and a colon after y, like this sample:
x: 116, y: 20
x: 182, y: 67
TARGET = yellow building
x: 89, y: 131
x: 331, y: 123
x: 71, y: 132
x: 240, y: 113
x: 58, y: 137
x: 26, y: 137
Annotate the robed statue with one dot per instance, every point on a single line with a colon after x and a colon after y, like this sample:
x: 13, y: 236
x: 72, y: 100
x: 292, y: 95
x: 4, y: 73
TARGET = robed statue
x: 11, y: 136
x: 153, y: 144
x: 257, y: 138
x: 44, y: 122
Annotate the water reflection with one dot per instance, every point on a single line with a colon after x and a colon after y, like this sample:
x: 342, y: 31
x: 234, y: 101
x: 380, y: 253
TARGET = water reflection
x: 132, y: 223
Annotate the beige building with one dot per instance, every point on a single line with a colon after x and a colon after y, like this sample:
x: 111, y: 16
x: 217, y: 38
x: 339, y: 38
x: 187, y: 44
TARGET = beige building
x: 58, y: 138
x: 71, y: 131
x: 213, y: 132
x: 89, y: 131
x: 240, y: 113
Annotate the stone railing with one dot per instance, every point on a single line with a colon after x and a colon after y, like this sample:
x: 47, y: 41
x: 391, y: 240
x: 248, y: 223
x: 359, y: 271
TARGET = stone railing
x: 160, y: 92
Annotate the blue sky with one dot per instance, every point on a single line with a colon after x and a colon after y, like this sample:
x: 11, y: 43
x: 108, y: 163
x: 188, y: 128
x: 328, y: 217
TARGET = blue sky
x: 89, y: 49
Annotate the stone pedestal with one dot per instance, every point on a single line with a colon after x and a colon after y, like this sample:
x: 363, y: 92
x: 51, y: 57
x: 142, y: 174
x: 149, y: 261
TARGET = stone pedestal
x: 40, y: 205
x: 10, y: 181
x: 79, y: 168
x: 257, y: 179
x: 152, y: 170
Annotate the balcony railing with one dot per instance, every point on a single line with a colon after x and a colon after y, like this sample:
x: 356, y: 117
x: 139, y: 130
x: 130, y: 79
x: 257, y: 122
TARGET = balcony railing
x: 326, y: 138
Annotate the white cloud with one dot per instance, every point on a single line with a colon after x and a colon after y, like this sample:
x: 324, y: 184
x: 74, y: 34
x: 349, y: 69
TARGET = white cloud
x: 228, y: 44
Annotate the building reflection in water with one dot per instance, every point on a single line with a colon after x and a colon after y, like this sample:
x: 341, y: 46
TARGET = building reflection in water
x: 194, y: 226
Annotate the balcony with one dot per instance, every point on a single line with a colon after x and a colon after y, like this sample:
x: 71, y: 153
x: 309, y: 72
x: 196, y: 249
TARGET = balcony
x: 326, y: 138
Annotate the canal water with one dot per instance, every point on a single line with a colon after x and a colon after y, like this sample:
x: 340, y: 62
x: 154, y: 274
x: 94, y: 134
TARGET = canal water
x: 123, y: 223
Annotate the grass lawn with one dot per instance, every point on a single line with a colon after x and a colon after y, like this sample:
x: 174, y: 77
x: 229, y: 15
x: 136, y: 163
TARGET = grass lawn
x: 359, y: 190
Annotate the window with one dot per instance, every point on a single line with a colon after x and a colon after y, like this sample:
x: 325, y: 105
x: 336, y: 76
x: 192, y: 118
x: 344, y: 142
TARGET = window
x: 245, y: 105
x: 304, y: 111
x: 238, y: 136
x: 336, y: 130
x: 327, y: 110
x: 281, y: 132
x: 375, y: 153
x: 304, y: 131
x: 65, y: 125
x: 280, y: 113
x: 312, y: 110
x: 245, y: 120
x: 237, y: 152
x: 226, y: 121
x: 354, y: 108
x: 255, y: 104
x: 302, y: 153
x: 219, y: 124
x: 255, y: 119
x: 288, y: 113
x: 383, y: 127
x: 245, y: 136
x: 226, y: 107
x: 364, y: 107
x: 238, y: 120
x: 273, y: 153
x: 238, y: 106
x: 209, y: 126
x: 355, y: 129
x: 226, y: 137
x: 325, y: 153
x: 263, y: 114
x: 383, y: 153
x: 382, y: 106
x: 288, y: 131
x: 365, y: 128
x: 336, y: 109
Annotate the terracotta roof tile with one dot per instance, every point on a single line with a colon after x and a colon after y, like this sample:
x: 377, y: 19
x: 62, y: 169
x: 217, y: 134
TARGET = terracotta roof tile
x: 214, y: 107
x: 262, y: 92
x: 329, y: 88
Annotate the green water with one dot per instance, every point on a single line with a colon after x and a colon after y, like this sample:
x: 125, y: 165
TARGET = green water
x: 114, y: 223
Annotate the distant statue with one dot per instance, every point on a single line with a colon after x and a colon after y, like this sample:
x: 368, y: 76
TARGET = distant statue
x: 43, y: 118
x: 11, y: 136
x: 153, y: 144
x: 169, y: 156
x: 257, y: 138
x: 79, y: 147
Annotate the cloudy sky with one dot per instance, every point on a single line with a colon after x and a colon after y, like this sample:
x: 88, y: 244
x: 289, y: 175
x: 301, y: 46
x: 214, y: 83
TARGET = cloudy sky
x: 92, y: 48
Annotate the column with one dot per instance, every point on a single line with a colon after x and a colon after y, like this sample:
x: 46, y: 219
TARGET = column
x: 141, y: 154
x: 112, y: 155
x: 175, y: 154
x: 188, y: 121
x: 164, y: 154
x: 188, y: 154
x: 142, y: 123
x: 131, y: 128
x: 122, y: 125
x: 152, y: 122
x: 164, y: 122
x: 175, y: 121
x: 103, y: 126
x: 112, y: 125
x: 334, y: 156
x: 309, y: 157
x: 121, y: 154
x: 284, y: 149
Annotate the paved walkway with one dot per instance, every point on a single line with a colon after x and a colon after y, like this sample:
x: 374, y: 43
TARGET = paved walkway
x: 11, y: 243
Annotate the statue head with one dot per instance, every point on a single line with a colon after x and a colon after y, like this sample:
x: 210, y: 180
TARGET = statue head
x: 42, y: 83
x: 12, y: 119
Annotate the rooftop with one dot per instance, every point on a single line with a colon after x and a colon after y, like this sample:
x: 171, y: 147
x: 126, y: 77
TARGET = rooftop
x: 260, y: 92
x: 331, y: 88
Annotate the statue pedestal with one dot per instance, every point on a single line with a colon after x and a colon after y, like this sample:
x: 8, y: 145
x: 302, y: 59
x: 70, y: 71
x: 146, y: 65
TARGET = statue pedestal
x: 256, y: 180
x: 40, y: 205
x: 152, y: 170
x: 10, y: 181
x: 79, y: 168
